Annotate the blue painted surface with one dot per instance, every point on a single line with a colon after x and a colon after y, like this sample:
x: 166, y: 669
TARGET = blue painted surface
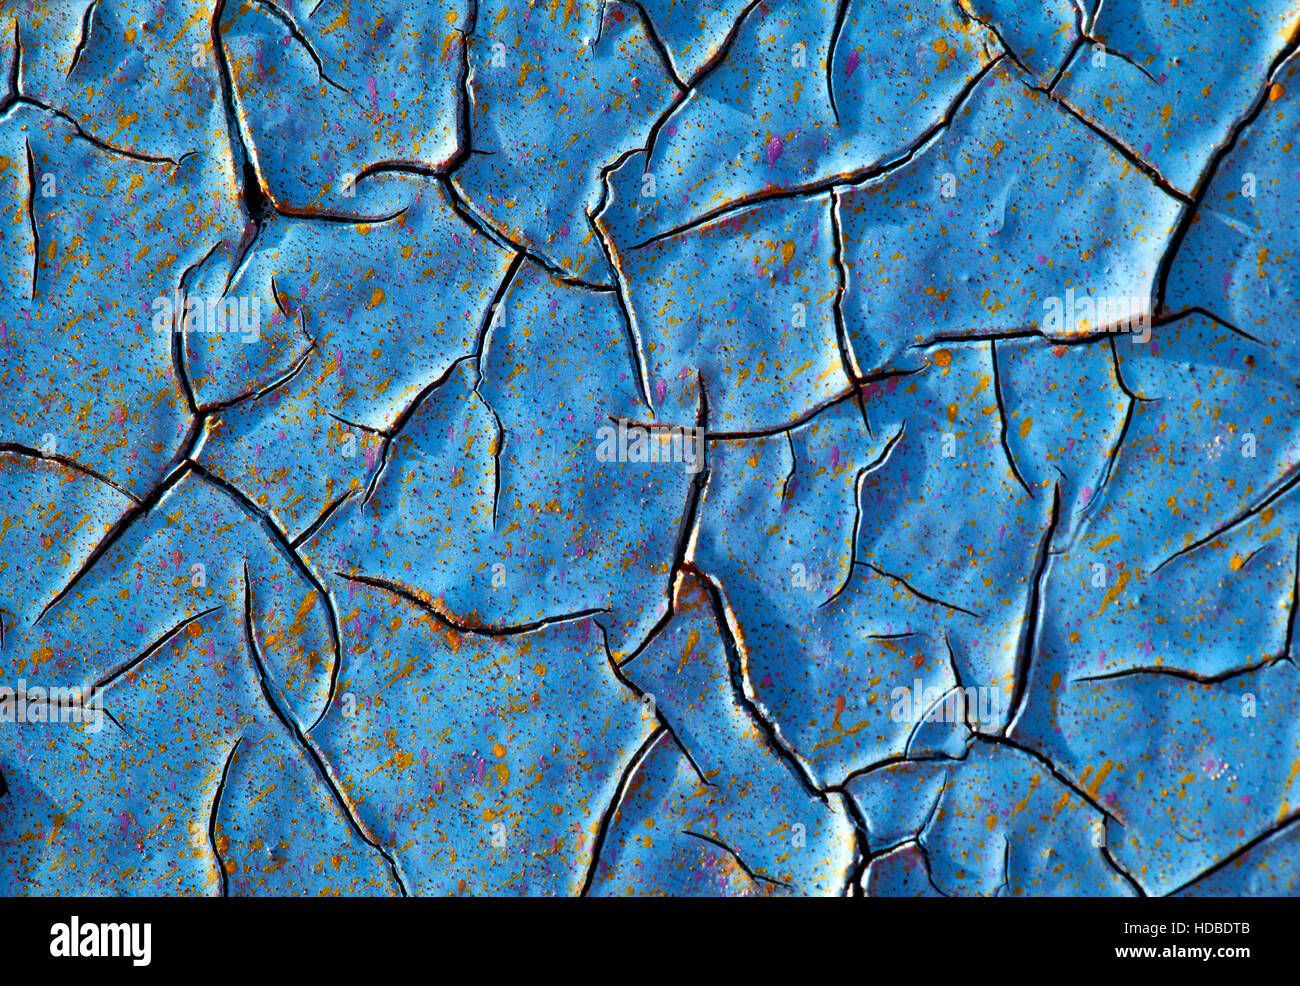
x: 746, y: 448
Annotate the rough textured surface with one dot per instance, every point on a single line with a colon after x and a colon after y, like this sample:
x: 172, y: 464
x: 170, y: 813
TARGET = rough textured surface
x: 666, y: 447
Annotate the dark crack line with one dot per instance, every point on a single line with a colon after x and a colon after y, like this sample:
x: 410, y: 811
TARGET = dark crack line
x: 279, y: 301
x: 639, y: 364
x: 113, y: 719
x: 1052, y: 769
x: 1217, y: 158
x: 63, y: 460
x: 1124, y: 874
x: 740, y: 435
x: 992, y: 29
x: 956, y: 676
x: 290, y: 723
x: 460, y: 626
x: 855, y: 813
x: 146, y: 504
x: 892, y: 760
x: 397, y: 166
x: 745, y: 867
x: 296, y: 562
x: 1029, y: 632
x: 179, y: 339
x: 1080, y: 35
x: 1126, y: 152
x: 1076, y: 46
x: 284, y: 379
x: 1005, y: 419
x: 933, y: 600
x: 295, y: 32
x: 1194, y: 677
x: 858, y: 871
x: 278, y: 383
x: 105, y: 681
x: 746, y: 434
x: 859, y: 483
x: 86, y: 25
x: 720, y: 56
x: 55, y: 709
x: 16, y: 72
x: 656, y: 42
x: 794, y: 466
x: 1246, y: 561
x: 847, y: 355
x: 692, y: 85
x: 358, y: 425
x: 929, y: 878
x: 1125, y: 58
x: 861, y: 843
x: 651, y: 139
x: 1130, y: 406
x: 615, y: 803
x: 391, y: 434
x: 1279, y: 490
x: 336, y: 218
x: 1170, y: 317
x: 215, y: 810
x: 103, y: 145
x: 320, y: 521
x: 915, y: 840
x: 255, y: 193
x: 1132, y: 395
x: 31, y: 216
x: 925, y: 827
x: 641, y: 693
x: 254, y: 202
x: 472, y: 219
x: 927, y: 717
x: 742, y: 690
x: 1006, y: 867
x: 480, y: 353
x: 1240, y: 852
x: 1084, y: 32
x: 837, y: 27
x: 482, y: 223
x: 1112, y: 455
x: 253, y: 197
x: 854, y: 178
x: 498, y: 298
x: 684, y: 538
x: 1017, y: 332
x: 464, y: 123
x: 594, y: 211
x: 877, y: 854
x: 498, y: 447
x: 1291, y: 615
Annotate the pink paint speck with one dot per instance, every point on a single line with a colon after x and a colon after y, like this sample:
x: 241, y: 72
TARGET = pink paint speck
x: 774, y: 149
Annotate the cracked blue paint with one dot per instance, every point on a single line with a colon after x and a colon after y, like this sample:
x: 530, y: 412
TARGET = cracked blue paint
x: 355, y: 363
